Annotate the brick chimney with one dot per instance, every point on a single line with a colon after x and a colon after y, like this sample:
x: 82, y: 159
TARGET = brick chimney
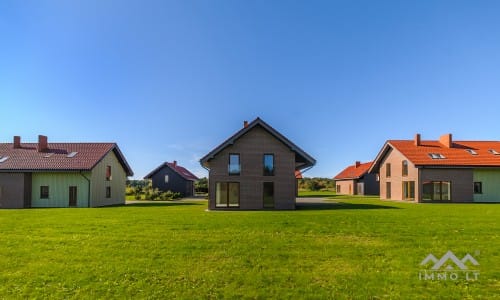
x: 175, y: 164
x: 42, y: 143
x: 417, y: 139
x: 446, y: 140
x: 17, y: 142
x: 357, y: 164
x: 245, y: 124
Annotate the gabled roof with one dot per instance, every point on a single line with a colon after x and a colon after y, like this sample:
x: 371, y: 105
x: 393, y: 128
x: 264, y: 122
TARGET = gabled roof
x: 183, y: 172
x: 85, y: 156
x: 303, y: 159
x: 354, y: 172
x: 460, y: 154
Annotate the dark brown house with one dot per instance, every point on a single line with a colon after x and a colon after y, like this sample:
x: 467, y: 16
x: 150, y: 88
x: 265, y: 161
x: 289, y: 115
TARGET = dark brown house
x: 255, y: 169
x: 173, y: 177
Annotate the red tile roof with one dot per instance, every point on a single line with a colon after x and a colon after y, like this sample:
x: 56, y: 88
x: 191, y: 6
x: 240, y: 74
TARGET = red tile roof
x: 353, y: 172
x: 55, y: 158
x: 183, y: 172
x: 455, y: 156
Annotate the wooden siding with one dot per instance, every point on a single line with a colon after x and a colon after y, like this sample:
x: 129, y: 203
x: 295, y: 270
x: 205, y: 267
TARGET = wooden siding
x: 58, y: 183
x: 99, y: 182
x: 252, y: 146
x: 13, y: 188
x: 176, y: 183
x: 490, y: 179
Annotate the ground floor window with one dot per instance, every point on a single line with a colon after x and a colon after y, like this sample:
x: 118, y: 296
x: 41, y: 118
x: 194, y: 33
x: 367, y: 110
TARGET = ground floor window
x: 388, y: 190
x: 44, y: 192
x: 478, y: 187
x: 436, y: 191
x: 338, y: 188
x: 408, y: 190
x: 227, y: 194
x: 108, y: 192
x: 268, y: 194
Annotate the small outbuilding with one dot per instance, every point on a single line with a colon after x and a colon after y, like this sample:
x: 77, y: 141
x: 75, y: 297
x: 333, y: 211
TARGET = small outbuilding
x: 170, y: 176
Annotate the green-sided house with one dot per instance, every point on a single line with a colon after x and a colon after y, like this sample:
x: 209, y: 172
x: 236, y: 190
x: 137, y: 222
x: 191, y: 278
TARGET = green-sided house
x: 61, y: 174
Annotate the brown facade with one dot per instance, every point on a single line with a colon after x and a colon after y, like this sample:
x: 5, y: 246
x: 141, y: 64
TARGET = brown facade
x: 256, y: 168
x: 15, y: 190
x: 251, y: 148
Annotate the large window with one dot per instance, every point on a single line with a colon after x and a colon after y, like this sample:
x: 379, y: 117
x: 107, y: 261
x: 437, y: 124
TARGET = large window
x: 387, y: 170
x: 388, y: 190
x: 268, y: 164
x: 234, y: 164
x: 478, y: 187
x: 227, y: 194
x: 44, y: 192
x: 268, y: 194
x: 436, y: 191
x: 404, y: 168
x: 408, y: 190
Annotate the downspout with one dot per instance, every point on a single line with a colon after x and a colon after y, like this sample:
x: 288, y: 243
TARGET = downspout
x: 88, y: 188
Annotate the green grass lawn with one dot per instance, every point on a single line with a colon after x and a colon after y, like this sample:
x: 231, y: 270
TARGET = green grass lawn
x: 322, y: 193
x: 361, y: 248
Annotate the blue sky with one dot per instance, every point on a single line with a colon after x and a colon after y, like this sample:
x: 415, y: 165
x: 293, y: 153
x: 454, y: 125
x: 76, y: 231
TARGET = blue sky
x: 170, y: 80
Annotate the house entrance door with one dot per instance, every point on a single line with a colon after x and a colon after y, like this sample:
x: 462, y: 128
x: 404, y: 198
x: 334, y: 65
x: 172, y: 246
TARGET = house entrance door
x: 72, y: 196
x: 361, y: 188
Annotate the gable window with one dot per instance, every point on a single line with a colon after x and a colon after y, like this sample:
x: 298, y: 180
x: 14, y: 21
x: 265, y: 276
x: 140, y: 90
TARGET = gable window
x: 387, y: 170
x: 234, y: 164
x: 108, y: 192
x: 227, y: 194
x: 166, y: 178
x: 404, y: 168
x: 108, y: 173
x: 44, y: 192
x: 436, y: 191
x: 478, y: 187
x: 268, y: 164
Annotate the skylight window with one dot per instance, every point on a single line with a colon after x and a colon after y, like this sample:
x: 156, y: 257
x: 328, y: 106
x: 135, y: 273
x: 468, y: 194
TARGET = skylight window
x: 471, y: 151
x: 494, y: 152
x: 437, y: 156
x: 72, y: 154
x: 48, y: 155
x: 3, y: 159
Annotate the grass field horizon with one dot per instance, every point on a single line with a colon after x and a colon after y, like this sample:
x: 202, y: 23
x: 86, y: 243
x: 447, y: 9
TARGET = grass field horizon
x: 355, y: 248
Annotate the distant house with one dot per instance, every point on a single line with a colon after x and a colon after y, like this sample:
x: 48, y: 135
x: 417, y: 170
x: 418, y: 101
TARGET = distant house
x: 355, y: 180
x: 61, y: 174
x: 172, y: 177
x: 255, y: 169
x: 439, y: 170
